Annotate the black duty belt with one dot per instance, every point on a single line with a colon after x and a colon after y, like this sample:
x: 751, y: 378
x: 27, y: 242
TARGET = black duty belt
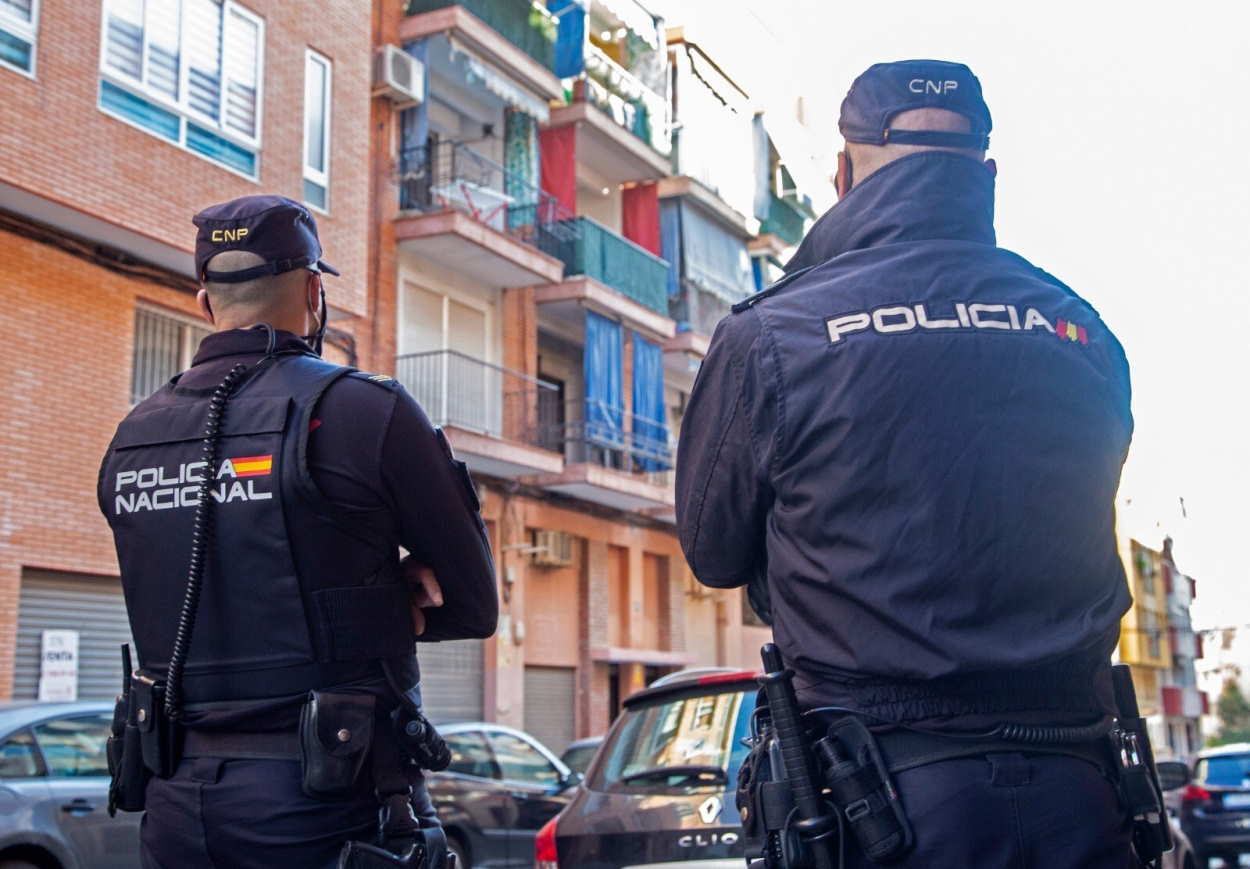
x: 908, y: 749
x: 229, y: 744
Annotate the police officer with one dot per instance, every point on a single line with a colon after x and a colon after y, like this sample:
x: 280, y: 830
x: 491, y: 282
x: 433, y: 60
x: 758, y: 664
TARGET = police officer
x: 911, y: 444
x: 298, y: 649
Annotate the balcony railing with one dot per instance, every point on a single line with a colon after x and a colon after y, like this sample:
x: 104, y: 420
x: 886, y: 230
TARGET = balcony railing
x: 450, y: 175
x: 784, y: 220
x: 528, y: 26
x: 623, y: 97
x: 456, y: 389
x: 598, y: 252
x: 594, y: 433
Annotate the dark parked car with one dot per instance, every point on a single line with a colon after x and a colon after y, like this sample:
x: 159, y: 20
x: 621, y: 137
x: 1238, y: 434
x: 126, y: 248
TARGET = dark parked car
x: 501, y: 787
x: 54, y: 790
x: 661, y: 788
x: 1214, y: 806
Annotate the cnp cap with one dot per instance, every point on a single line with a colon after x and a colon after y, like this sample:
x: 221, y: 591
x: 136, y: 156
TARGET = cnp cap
x: 279, y: 230
x: 885, y: 89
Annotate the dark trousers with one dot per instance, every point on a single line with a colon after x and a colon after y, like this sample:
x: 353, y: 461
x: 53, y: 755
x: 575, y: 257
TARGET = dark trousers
x: 247, y: 814
x: 1011, y: 811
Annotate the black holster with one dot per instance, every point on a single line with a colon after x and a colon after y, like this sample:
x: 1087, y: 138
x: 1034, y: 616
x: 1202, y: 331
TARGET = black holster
x: 128, y: 775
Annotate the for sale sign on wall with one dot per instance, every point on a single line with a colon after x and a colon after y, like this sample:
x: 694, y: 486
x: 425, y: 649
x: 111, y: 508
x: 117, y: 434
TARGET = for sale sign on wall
x: 58, y: 668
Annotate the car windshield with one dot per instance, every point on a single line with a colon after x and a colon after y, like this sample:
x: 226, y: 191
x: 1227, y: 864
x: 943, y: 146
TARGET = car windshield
x: 1231, y: 770
x: 688, y: 742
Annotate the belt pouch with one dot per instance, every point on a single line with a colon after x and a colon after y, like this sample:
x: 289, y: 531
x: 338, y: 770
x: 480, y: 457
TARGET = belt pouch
x: 128, y: 774
x: 335, y: 731
x: 859, y: 782
x: 159, y: 740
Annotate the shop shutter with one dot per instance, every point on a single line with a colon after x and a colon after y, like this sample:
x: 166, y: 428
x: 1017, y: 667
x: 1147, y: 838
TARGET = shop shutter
x: 451, y: 680
x: 91, y: 605
x: 549, y: 715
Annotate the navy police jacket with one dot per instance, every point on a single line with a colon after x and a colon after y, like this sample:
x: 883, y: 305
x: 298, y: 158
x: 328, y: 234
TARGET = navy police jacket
x: 915, y: 439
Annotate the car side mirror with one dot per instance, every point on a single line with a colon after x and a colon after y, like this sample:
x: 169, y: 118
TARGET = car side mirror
x: 570, y: 778
x: 1173, y: 774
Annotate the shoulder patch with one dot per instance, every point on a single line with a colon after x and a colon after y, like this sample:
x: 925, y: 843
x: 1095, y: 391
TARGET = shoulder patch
x: 379, y: 379
x: 771, y: 290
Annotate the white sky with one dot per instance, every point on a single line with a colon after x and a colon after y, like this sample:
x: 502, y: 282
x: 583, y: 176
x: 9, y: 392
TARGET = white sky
x: 1121, y: 132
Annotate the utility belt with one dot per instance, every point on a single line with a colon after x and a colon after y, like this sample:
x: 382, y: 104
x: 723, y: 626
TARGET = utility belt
x: 337, y: 734
x: 802, y: 787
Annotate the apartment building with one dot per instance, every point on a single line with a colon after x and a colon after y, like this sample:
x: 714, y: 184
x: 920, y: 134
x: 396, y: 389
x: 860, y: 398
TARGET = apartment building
x: 122, y: 118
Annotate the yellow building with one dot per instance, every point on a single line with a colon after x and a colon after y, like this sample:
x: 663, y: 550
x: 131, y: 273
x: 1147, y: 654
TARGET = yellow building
x: 1144, y: 641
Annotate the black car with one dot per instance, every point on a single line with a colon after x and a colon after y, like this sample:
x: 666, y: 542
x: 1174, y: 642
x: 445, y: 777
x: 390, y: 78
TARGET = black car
x: 501, y: 787
x: 660, y: 791
x: 1214, y: 807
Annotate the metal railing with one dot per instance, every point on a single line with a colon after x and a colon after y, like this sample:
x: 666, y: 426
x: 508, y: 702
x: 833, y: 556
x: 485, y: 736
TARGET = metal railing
x: 527, y: 25
x: 445, y: 175
x: 456, y: 389
x: 595, y: 433
x: 784, y: 220
x: 617, y: 262
x: 627, y: 100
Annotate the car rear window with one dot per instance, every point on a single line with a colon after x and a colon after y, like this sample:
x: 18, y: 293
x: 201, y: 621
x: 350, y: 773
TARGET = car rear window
x: 693, y: 734
x: 1230, y: 770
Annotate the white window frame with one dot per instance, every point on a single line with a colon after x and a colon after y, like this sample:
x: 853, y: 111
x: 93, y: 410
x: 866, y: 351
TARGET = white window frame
x: 189, y: 345
x: 27, y: 30
x: 184, y: 112
x: 319, y: 176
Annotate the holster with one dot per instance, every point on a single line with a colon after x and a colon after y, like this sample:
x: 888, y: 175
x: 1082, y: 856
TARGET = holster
x: 128, y: 775
x: 335, y: 732
x: 427, y: 850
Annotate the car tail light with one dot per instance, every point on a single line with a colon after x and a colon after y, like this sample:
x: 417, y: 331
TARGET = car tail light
x: 1195, y: 794
x: 545, y: 847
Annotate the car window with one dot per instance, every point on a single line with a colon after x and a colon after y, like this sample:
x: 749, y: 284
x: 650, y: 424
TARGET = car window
x: 470, y: 755
x: 693, y: 732
x: 522, y: 762
x: 75, y: 746
x: 578, y: 758
x: 1232, y: 770
x: 18, y: 756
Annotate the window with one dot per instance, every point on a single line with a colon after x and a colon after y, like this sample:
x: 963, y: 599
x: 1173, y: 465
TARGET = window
x: 317, y: 131
x: 19, y: 19
x: 18, y: 756
x: 522, y: 762
x: 1151, y: 627
x: 164, y: 345
x: 189, y: 72
x: 75, y: 746
x: 471, y: 756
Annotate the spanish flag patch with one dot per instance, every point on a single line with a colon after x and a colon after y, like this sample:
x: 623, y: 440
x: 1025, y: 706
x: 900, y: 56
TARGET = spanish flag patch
x: 252, y: 466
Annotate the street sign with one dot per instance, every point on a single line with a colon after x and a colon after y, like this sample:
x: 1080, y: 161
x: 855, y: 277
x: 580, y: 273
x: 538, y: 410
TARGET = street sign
x: 58, y: 666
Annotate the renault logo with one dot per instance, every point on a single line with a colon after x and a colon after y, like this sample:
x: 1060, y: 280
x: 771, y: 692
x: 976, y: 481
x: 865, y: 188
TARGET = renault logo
x: 709, y: 811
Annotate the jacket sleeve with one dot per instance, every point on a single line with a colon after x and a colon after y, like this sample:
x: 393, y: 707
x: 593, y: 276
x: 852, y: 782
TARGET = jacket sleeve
x: 437, y: 513
x: 723, y: 489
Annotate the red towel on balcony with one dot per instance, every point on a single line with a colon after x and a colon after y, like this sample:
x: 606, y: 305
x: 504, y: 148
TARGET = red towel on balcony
x: 558, y: 147
x: 640, y: 216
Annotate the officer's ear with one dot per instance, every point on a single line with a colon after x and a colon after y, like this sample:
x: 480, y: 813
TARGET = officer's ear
x: 992, y: 166
x: 206, y: 307
x: 312, y: 292
x: 843, y: 180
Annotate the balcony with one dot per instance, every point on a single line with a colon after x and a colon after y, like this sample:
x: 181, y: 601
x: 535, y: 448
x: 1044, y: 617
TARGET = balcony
x: 683, y: 354
x: 614, y: 261
x: 516, y: 35
x: 785, y: 220
x: 467, y: 213
x: 488, y: 412
x: 611, y: 457
x: 1183, y: 701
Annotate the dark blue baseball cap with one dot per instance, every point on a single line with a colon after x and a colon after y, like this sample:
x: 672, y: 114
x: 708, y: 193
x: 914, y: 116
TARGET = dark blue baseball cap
x: 886, y: 89
x: 279, y: 230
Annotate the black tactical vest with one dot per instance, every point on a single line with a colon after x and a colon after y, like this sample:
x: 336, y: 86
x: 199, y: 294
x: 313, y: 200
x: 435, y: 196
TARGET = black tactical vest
x: 263, y: 628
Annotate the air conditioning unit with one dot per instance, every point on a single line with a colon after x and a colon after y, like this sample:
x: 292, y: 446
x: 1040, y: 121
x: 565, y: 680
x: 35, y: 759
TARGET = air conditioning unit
x: 553, y: 549
x: 398, y: 76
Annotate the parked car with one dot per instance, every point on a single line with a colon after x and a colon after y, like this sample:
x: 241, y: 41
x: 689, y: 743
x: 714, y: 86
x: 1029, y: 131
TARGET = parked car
x: 54, y: 790
x: 579, y: 754
x: 501, y: 788
x: 1212, y: 803
x: 661, y: 787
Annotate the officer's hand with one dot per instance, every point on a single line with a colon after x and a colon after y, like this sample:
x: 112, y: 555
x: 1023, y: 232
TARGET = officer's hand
x: 425, y: 591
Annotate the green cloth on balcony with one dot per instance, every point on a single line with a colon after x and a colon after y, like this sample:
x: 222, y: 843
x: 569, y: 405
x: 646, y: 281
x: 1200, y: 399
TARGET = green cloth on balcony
x: 521, y: 180
x: 620, y: 264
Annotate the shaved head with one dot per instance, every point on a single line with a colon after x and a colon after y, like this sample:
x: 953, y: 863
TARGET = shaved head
x: 280, y: 300
x: 867, y: 159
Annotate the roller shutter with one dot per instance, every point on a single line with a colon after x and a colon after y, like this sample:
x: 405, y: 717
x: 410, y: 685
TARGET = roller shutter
x: 91, y: 605
x: 549, y: 693
x: 451, y: 680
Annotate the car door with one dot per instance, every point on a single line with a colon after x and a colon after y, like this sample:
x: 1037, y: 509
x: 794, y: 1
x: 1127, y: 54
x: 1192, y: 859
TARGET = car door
x: 533, y: 781
x: 23, y: 789
x: 471, y: 800
x: 73, y: 750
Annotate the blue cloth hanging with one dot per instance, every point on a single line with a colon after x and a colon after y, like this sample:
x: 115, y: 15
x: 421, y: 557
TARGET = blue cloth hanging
x: 570, y: 57
x: 603, y: 363
x: 650, y: 441
x: 670, y: 242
